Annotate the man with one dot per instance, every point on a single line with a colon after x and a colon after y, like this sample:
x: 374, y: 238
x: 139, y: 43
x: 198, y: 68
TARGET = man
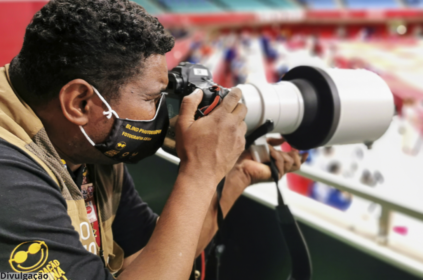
x: 84, y: 94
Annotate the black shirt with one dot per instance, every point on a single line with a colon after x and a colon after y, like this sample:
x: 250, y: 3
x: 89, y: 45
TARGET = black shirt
x: 36, y: 231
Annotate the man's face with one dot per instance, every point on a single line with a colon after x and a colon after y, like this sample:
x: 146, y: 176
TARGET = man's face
x: 137, y: 100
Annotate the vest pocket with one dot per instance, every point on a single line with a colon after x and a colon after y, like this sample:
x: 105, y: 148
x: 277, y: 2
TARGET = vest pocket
x: 115, y: 260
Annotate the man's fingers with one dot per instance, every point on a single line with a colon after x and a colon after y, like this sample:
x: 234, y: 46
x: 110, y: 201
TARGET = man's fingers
x: 297, y: 160
x: 278, y: 160
x: 244, y: 127
x: 231, y: 100
x: 275, y: 141
x: 282, y: 160
x: 289, y: 162
x: 188, y: 108
x: 240, y: 112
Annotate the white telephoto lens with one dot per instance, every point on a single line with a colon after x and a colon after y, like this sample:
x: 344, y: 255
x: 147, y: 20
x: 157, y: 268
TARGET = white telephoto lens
x: 314, y: 107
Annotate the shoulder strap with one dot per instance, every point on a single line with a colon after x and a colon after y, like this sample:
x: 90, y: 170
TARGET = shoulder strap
x: 301, y: 268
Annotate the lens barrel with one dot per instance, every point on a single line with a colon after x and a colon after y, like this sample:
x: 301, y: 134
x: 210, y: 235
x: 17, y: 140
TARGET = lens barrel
x: 314, y: 107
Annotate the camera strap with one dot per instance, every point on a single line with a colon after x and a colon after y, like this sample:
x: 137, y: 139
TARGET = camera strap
x: 301, y: 268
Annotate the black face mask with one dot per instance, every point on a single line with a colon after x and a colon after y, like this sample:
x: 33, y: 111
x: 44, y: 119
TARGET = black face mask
x: 131, y: 140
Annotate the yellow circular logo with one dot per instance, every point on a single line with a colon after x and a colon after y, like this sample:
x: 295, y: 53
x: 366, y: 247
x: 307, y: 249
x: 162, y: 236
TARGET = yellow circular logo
x: 29, y: 256
x: 120, y: 146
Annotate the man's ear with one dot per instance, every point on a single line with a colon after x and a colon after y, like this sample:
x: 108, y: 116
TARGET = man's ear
x: 76, y: 101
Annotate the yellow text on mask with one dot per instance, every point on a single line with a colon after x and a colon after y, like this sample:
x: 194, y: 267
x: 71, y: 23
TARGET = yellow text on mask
x: 140, y: 130
x: 135, y: 137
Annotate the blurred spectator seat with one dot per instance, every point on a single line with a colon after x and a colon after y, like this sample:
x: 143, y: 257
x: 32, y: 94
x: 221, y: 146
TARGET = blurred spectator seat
x: 191, y: 6
x: 371, y: 4
x: 281, y: 4
x: 320, y: 4
x: 414, y: 3
x: 247, y: 5
x: 149, y: 6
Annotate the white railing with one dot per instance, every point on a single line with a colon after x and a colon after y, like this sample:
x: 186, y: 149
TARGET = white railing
x: 331, y: 222
x: 363, y: 191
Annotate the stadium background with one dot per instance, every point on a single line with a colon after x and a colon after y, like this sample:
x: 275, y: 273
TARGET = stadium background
x: 238, y: 38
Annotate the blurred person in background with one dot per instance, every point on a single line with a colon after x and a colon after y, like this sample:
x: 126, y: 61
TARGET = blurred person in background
x: 83, y: 96
x: 411, y: 126
x: 418, y: 32
x: 329, y: 195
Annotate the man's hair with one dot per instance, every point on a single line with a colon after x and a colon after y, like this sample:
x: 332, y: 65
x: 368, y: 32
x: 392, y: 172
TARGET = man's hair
x: 104, y: 42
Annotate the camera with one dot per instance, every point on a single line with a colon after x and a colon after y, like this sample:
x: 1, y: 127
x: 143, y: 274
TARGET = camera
x: 310, y: 106
x: 184, y: 79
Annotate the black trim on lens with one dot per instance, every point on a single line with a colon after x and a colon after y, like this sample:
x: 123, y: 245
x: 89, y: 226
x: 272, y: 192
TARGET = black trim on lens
x: 322, y: 107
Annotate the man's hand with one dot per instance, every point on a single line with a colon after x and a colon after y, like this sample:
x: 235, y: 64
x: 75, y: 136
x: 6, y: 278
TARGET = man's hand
x: 248, y: 171
x: 256, y: 172
x: 211, y: 145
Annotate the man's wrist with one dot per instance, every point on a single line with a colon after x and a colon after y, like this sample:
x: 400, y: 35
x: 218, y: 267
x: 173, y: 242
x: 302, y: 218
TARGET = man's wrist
x: 196, y: 173
x: 237, y: 176
x: 197, y: 179
x: 235, y: 184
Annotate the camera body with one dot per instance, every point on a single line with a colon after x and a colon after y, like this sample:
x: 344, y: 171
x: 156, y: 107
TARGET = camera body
x: 187, y: 77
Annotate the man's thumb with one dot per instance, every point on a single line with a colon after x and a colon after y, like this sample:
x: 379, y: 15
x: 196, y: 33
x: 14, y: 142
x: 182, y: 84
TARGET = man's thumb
x: 189, y: 106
